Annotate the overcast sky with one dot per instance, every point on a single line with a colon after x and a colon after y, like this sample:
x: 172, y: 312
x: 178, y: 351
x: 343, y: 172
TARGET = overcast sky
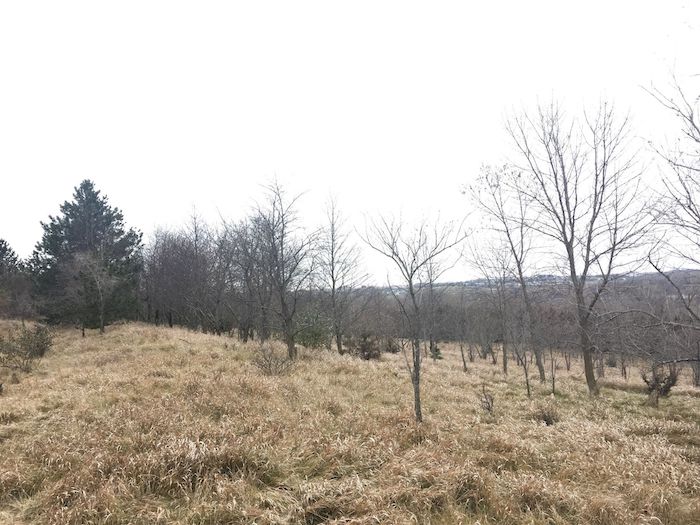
x: 390, y: 105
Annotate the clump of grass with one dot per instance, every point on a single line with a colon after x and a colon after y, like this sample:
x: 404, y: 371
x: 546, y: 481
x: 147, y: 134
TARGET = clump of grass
x: 545, y: 412
x: 9, y: 417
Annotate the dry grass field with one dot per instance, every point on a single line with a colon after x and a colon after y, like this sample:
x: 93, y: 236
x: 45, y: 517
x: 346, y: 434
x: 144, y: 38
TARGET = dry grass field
x: 154, y: 425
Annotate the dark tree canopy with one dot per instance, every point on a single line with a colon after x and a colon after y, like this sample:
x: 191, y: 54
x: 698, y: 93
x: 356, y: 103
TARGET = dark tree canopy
x: 86, y: 265
x: 9, y: 262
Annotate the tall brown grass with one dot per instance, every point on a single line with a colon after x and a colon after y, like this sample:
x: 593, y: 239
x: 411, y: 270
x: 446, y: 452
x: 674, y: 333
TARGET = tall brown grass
x: 156, y: 425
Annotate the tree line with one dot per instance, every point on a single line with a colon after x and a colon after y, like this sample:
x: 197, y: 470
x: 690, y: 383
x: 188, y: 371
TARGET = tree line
x: 572, y: 196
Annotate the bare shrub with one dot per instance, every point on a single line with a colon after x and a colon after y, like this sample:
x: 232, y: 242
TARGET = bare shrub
x: 24, y: 346
x: 367, y: 347
x: 271, y: 362
x: 391, y: 346
x: 486, y: 400
x: 660, y: 380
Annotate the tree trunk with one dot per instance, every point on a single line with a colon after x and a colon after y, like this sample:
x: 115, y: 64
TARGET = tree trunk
x: 505, y: 358
x: 540, y: 365
x: 339, y: 342
x: 102, y: 317
x: 527, y: 375
x: 588, y: 367
x: 464, y: 360
x: 415, y: 379
x: 289, y: 339
x: 552, y: 371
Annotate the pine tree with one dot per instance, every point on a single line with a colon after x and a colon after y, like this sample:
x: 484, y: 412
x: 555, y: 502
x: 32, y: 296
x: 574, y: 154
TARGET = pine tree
x: 9, y: 262
x: 86, y: 265
x: 15, y: 297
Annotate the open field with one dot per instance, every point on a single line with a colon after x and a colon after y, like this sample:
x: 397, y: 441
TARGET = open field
x: 156, y: 425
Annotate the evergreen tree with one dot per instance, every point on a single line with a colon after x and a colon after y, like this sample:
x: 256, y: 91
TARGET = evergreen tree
x: 9, y: 262
x: 86, y: 265
x: 15, y: 297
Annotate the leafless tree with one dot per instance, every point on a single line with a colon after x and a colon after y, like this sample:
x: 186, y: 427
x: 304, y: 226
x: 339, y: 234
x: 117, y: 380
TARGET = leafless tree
x: 88, y: 282
x: 496, y: 266
x: 581, y: 179
x: 680, y: 210
x: 253, y: 286
x: 679, y: 213
x: 500, y: 197
x: 339, y: 271
x: 288, y: 256
x: 411, y: 251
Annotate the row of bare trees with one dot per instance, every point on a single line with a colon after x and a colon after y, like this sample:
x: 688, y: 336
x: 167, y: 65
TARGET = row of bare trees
x: 570, y: 203
x: 568, y: 232
x: 263, y: 274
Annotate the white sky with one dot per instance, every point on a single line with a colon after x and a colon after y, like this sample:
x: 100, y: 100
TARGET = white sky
x: 390, y: 105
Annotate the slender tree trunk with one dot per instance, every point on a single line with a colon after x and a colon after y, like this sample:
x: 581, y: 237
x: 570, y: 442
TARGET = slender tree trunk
x: 552, y: 371
x: 339, y: 342
x: 505, y: 358
x: 415, y: 379
x: 601, y: 364
x: 464, y: 360
x: 527, y: 375
x: 540, y: 364
x: 289, y: 339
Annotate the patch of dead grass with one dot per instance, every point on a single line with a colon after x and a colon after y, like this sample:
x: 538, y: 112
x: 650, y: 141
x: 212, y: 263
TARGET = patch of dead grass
x: 158, y: 425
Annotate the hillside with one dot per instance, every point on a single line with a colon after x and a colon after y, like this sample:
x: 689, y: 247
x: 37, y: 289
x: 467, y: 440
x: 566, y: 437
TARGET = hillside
x: 156, y: 425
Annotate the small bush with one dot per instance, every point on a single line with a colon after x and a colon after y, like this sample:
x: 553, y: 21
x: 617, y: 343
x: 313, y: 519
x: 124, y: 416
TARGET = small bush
x: 391, y: 346
x: 486, y: 401
x: 367, y: 347
x: 23, y: 347
x: 435, y: 352
x: 660, y: 380
x: 271, y: 362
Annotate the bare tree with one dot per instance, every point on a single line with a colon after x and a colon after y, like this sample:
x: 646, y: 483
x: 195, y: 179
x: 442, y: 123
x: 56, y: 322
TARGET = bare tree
x: 581, y: 179
x: 500, y: 198
x: 680, y: 210
x: 496, y: 266
x: 253, y: 288
x: 412, y: 252
x: 339, y: 271
x: 287, y: 253
x: 88, y: 275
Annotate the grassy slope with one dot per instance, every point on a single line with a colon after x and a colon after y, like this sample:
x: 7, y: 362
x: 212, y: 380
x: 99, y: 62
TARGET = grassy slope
x: 147, y: 425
